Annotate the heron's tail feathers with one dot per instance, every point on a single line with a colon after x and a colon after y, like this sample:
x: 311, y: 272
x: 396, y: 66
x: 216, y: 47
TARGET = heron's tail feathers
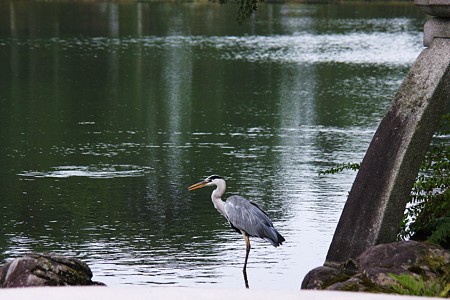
x: 276, y: 238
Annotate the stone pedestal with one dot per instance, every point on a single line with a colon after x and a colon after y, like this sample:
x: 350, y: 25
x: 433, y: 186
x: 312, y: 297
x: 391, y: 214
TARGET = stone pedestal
x: 439, y: 25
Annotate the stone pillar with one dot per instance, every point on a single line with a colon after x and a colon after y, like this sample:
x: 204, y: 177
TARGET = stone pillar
x: 438, y: 26
x: 377, y: 200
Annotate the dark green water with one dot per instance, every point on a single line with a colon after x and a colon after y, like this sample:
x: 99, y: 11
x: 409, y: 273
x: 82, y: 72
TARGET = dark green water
x: 109, y: 111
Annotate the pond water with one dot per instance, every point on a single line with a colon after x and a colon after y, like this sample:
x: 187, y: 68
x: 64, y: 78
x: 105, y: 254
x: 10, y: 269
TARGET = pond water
x: 108, y: 112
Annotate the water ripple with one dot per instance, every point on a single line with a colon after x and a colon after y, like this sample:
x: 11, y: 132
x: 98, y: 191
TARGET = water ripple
x: 100, y: 171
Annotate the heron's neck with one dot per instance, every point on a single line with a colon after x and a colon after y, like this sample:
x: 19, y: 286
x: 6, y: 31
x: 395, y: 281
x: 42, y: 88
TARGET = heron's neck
x: 216, y: 197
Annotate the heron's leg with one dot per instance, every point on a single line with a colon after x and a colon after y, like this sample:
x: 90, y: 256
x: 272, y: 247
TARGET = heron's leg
x: 247, y: 251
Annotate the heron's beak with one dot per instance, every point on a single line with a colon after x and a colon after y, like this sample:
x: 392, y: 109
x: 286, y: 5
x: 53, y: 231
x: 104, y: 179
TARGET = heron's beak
x: 197, y: 185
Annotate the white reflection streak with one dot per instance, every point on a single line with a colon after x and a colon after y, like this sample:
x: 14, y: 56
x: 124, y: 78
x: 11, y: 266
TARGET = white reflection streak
x: 357, y: 47
x: 308, y: 48
x: 299, y: 48
x: 178, y: 82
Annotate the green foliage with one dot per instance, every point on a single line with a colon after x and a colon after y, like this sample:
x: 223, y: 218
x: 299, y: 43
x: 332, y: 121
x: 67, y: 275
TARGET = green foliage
x: 340, y: 168
x: 427, y: 216
x: 413, y: 285
x: 246, y: 8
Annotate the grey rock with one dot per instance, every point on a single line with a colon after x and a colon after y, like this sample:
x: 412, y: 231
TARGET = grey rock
x: 408, y: 257
x: 370, y: 272
x: 324, y: 276
x: 356, y: 284
x: 45, y: 270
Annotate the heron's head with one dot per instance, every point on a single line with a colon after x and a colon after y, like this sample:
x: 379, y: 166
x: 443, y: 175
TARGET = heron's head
x: 210, y: 180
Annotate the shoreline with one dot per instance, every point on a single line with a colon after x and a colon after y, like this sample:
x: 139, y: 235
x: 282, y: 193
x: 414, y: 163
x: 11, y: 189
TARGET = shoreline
x: 180, y: 293
x: 402, y: 2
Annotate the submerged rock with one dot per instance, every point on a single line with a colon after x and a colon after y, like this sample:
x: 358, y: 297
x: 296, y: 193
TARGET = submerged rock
x: 45, y: 270
x: 370, y: 271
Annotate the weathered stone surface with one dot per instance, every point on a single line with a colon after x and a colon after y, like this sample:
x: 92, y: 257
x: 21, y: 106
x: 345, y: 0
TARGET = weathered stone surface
x: 437, y: 8
x: 370, y: 271
x: 321, y: 277
x: 403, y: 257
x: 436, y: 28
x: 357, y: 283
x: 45, y: 270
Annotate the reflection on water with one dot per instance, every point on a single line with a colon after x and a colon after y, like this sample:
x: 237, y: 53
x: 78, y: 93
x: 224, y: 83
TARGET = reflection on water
x: 357, y: 48
x: 98, y: 171
x: 109, y: 111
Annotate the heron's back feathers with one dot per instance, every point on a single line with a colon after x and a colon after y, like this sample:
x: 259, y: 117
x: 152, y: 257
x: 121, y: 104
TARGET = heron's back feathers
x: 245, y: 216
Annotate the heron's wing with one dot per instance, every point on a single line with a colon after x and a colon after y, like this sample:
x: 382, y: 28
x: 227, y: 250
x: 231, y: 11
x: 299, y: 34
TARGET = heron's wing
x: 248, y: 217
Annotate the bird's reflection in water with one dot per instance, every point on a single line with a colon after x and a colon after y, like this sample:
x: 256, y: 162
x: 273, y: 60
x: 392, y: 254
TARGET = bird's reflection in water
x: 244, y: 272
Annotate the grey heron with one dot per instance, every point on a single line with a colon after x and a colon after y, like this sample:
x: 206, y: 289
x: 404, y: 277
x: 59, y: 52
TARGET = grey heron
x: 244, y: 216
